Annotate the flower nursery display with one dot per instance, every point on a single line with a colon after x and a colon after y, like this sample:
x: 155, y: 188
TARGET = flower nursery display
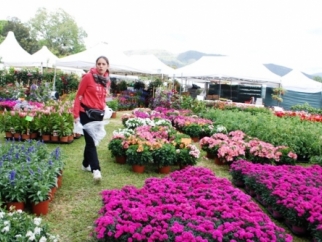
x: 189, y: 205
x: 28, y: 171
x: 294, y: 192
x: 17, y: 225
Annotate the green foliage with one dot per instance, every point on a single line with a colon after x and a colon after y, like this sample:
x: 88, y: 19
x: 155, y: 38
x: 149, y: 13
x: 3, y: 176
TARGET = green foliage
x: 58, y: 31
x: 165, y: 155
x: 317, y: 78
x: 122, y: 86
x: 301, y: 137
x: 193, y: 130
x: 277, y: 94
x: 138, y: 85
x: 156, y: 83
x: 21, y: 226
x: 22, y: 34
x: 139, y: 155
x: 307, y: 108
x: 113, y: 104
x: 116, y: 147
x: 64, y: 83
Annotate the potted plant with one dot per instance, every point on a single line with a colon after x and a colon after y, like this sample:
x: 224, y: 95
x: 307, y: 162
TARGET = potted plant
x: 14, y: 187
x: 21, y: 226
x: 164, y: 157
x: 117, y: 150
x: 7, y: 125
x: 285, y: 156
x: 193, y: 130
x: 44, y: 125
x: 138, y: 155
x: 39, y: 189
x: 210, y: 145
x: 187, y: 156
x: 114, y: 105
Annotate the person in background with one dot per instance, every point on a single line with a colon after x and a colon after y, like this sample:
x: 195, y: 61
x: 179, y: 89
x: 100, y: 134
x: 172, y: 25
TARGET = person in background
x: 91, y: 94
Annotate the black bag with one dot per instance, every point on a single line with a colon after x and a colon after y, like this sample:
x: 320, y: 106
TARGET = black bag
x: 94, y: 114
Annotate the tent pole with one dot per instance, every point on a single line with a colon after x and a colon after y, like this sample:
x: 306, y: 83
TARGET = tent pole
x: 54, y: 79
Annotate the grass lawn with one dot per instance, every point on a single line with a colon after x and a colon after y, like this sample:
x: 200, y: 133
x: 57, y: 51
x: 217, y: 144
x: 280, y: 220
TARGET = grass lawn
x: 76, y: 204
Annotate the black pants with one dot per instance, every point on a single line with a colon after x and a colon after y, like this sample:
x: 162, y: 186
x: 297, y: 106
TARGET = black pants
x: 90, y: 152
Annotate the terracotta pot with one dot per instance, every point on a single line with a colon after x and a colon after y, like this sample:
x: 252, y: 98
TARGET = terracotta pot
x: 63, y: 139
x: 33, y: 135
x: 45, y: 137
x: 17, y: 135
x: 40, y: 208
x: 195, y: 139
x: 9, y: 135
x: 113, y: 115
x: 16, y: 205
x: 70, y: 138
x: 165, y: 169
x: 120, y: 159
x: 52, y: 193
x: 218, y: 161
x: 138, y: 168
x: 54, y: 138
x: 76, y: 135
x: 25, y: 136
x: 59, y: 181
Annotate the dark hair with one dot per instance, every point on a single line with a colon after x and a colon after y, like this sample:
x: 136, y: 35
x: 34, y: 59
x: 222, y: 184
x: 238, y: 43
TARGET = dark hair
x: 102, y: 57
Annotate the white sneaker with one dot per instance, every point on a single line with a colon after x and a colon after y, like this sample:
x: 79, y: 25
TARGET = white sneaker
x: 88, y: 168
x: 97, y: 175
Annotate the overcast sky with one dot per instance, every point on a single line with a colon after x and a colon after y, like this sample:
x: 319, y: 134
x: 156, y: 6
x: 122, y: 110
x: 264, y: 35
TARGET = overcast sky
x: 283, y: 32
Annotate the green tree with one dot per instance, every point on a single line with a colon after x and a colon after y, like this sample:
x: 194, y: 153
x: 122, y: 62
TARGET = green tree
x: 22, y: 34
x: 317, y: 78
x: 2, y: 24
x: 58, y: 31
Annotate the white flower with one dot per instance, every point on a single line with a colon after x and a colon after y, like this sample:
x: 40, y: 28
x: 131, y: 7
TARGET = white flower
x: 6, y: 222
x: 43, y: 239
x: 30, y: 234
x: 37, y: 221
x: 5, y: 229
x: 221, y: 129
x: 37, y: 230
x: 18, y: 236
x: 2, y: 214
x: 178, y: 151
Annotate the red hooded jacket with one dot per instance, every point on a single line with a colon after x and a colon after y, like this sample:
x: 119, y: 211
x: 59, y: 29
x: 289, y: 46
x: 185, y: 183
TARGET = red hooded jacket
x: 90, y: 93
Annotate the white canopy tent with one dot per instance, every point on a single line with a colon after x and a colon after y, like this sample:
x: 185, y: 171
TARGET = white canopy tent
x: 44, y: 57
x: 229, y: 67
x: 151, y: 63
x: 119, y: 62
x: 296, y: 81
x: 12, y: 54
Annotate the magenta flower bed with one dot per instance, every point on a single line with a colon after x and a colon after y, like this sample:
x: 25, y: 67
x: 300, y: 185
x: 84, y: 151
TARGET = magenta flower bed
x: 294, y: 191
x: 189, y: 205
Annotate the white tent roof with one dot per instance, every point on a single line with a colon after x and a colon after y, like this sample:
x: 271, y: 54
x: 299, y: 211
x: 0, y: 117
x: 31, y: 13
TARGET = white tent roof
x: 150, y: 63
x: 86, y: 59
x: 228, y: 67
x: 44, y: 57
x: 11, y: 53
x: 296, y: 81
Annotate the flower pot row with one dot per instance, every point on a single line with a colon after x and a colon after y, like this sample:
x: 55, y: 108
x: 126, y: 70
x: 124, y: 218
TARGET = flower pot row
x: 37, y: 208
x: 289, y: 193
x: 47, y: 138
x: 141, y: 168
